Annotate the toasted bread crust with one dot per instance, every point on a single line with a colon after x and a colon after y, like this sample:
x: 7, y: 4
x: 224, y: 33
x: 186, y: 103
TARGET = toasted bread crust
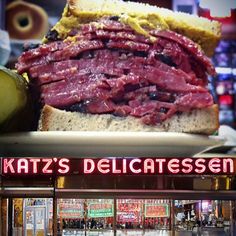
x: 201, y: 121
x: 205, y: 32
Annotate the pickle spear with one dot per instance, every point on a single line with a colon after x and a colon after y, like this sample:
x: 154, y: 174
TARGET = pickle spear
x: 13, y: 95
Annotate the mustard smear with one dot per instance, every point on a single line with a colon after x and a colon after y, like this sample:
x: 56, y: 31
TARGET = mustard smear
x: 141, y: 24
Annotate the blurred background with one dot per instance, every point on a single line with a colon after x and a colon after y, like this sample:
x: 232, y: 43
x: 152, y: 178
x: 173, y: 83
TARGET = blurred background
x: 223, y: 86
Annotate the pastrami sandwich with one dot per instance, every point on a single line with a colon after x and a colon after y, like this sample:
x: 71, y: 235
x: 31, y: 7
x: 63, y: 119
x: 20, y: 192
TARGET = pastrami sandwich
x: 110, y: 65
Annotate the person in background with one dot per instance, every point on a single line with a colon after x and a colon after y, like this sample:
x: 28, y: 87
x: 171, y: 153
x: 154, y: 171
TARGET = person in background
x: 93, y: 224
x: 204, y: 219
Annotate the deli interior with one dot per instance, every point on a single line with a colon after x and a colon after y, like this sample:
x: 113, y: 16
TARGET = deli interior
x: 117, y: 196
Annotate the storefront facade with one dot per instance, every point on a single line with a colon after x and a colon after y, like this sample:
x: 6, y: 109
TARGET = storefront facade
x: 137, y: 196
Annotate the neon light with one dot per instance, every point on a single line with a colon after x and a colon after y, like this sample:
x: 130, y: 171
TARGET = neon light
x: 46, y: 169
x: 114, y: 169
x: 214, y: 165
x: 63, y: 163
x: 8, y: 164
x: 205, y: 205
x: 35, y: 165
x: 131, y: 166
x: 88, y: 170
x: 225, y: 165
x: 187, y: 163
x: 173, y: 163
x: 128, y: 166
x: 234, y: 71
x: 148, y: 165
x: 160, y: 165
x: 223, y: 70
x: 124, y: 169
x: 104, y: 163
x: 199, y: 164
x: 22, y: 165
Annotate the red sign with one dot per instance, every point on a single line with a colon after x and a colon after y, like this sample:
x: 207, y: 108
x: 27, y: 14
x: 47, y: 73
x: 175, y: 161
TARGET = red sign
x: 120, y: 166
x: 70, y: 208
x: 129, y: 212
x: 156, y: 210
x: 35, y: 166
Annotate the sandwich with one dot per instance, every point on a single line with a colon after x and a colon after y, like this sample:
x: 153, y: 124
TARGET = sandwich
x: 109, y: 65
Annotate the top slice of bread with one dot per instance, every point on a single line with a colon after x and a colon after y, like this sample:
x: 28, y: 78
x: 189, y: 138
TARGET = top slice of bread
x: 201, y: 30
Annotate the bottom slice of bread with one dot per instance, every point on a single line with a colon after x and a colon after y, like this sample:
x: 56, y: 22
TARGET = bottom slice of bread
x: 201, y: 121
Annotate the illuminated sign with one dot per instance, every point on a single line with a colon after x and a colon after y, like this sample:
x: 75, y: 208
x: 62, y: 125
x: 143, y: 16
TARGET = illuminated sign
x: 96, y: 210
x: 129, y: 212
x: 124, y: 217
x: 70, y: 208
x: 156, y: 210
x: 117, y: 166
x: 35, y: 166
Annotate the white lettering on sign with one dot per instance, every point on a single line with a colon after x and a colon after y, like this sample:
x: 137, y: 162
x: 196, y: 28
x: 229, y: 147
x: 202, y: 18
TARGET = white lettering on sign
x: 147, y: 166
x: 173, y: 166
x: 201, y: 168
x: 35, y: 166
x: 228, y: 163
x: 124, y: 169
x: 187, y: 164
x: 22, y: 166
x: 7, y: 164
x: 103, y: 166
x: 214, y: 165
x: 160, y: 165
x: 63, y: 166
x: 89, y: 166
x: 131, y: 166
x: 47, y: 167
x: 114, y: 167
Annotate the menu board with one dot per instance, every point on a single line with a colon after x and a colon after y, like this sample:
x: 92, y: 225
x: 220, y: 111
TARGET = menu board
x: 71, y: 209
x: 156, y: 210
x: 96, y: 210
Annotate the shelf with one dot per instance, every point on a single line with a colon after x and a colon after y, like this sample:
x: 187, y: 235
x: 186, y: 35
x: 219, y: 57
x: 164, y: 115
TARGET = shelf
x: 107, y: 144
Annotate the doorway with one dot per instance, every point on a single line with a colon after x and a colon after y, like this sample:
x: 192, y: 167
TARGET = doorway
x: 27, y: 216
x: 35, y: 221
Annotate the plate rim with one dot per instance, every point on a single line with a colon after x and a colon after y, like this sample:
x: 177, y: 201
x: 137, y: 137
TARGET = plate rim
x: 109, y: 137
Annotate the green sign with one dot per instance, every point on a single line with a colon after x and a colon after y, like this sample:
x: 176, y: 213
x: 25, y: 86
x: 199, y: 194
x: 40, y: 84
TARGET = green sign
x: 96, y: 210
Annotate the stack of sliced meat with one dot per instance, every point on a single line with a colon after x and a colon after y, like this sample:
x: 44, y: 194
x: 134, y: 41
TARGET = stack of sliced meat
x: 107, y: 68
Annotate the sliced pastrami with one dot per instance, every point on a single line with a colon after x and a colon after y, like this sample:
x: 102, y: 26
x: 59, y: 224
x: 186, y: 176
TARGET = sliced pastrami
x: 190, y: 46
x: 107, y: 68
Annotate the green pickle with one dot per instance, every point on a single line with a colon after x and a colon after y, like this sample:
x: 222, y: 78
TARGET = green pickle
x: 13, y: 100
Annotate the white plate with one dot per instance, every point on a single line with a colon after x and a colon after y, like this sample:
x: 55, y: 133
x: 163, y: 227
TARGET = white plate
x: 107, y: 144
